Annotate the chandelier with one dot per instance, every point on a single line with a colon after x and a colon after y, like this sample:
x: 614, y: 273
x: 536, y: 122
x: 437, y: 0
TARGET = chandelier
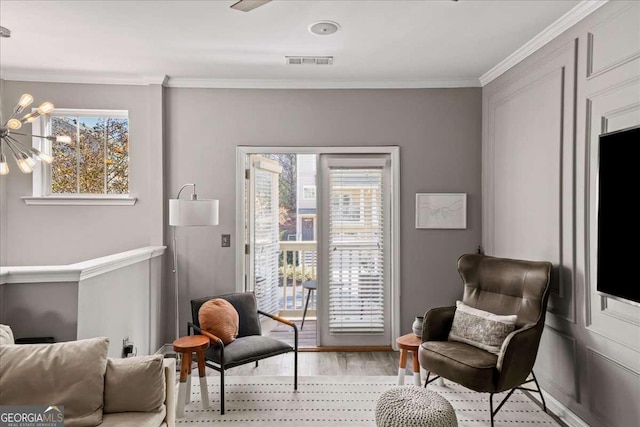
x: 25, y: 155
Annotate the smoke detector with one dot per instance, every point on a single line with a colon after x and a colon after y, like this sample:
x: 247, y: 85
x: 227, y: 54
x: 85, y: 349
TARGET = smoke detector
x: 309, y: 60
x: 5, y: 32
x: 324, y: 28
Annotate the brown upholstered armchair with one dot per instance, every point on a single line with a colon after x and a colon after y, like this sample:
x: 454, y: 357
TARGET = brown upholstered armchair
x: 500, y: 286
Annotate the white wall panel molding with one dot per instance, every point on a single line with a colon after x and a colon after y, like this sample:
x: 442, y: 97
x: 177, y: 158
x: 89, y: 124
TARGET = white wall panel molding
x: 536, y: 169
x: 616, y: 380
x: 608, y: 109
x: 608, y: 45
x: 556, y: 366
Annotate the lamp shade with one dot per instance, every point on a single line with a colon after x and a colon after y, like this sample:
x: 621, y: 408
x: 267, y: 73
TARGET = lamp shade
x: 193, y: 212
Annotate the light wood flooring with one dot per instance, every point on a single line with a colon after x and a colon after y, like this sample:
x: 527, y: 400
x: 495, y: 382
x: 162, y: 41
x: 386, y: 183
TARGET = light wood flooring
x: 327, y: 363
x: 306, y: 336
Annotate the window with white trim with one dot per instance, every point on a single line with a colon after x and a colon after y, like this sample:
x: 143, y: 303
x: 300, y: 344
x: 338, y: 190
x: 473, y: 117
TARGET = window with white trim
x: 96, y: 160
x: 308, y: 192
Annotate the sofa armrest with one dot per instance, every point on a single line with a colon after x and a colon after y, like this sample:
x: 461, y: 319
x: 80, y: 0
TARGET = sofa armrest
x: 170, y: 393
x: 437, y: 323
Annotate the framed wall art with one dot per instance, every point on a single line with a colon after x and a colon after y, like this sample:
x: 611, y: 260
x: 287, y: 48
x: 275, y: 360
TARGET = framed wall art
x: 441, y: 210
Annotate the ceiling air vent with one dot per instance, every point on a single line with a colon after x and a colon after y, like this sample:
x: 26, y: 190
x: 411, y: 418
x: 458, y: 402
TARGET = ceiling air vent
x: 309, y: 60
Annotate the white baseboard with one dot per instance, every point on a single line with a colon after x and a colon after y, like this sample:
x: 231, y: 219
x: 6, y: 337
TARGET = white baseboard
x: 559, y: 410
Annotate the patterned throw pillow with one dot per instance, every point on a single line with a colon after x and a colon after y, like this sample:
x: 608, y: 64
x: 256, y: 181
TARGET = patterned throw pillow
x: 480, y: 328
x: 220, y: 318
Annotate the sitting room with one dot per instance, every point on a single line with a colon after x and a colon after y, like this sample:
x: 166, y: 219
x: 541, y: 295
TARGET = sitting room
x: 318, y: 212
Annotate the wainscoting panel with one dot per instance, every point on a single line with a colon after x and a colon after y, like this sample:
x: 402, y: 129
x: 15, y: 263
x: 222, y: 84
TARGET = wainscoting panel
x: 615, y: 108
x: 531, y: 137
x: 609, y: 42
x: 541, y: 124
x: 611, y: 383
x: 556, y: 365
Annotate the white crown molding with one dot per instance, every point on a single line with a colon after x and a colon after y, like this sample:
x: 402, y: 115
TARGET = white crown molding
x: 78, y: 271
x: 83, y: 78
x: 320, y: 84
x: 179, y: 82
x: 566, y: 21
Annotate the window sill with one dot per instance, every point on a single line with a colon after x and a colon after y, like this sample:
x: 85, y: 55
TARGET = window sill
x: 80, y: 200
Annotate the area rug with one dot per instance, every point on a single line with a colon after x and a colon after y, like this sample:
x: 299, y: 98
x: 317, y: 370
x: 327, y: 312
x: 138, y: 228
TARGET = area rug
x: 338, y: 401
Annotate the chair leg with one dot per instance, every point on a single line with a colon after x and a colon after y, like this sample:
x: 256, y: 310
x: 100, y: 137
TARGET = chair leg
x: 295, y: 358
x: 491, y: 407
x: 306, y: 306
x: 256, y: 363
x: 544, y: 405
x: 426, y: 382
x: 221, y: 389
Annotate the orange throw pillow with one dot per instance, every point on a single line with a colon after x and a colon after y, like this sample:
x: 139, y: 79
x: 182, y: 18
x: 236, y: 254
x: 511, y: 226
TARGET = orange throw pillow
x: 220, y: 318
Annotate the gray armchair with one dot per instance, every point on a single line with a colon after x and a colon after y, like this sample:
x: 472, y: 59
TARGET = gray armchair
x: 500, y: 286
x: 250, y: 345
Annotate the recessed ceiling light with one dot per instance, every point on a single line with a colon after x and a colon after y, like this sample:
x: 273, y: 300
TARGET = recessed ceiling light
x: 324, y: 28
x: 5, y: 32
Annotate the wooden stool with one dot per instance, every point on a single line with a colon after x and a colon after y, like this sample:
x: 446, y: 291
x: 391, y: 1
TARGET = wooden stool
x: 409, y: 342
x: 186, y: 346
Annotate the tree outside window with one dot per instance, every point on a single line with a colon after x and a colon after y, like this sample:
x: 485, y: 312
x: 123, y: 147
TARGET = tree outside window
x: 97, y: 159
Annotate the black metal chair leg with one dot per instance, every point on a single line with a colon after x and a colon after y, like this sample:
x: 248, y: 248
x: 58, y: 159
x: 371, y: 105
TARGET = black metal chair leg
x: 306, y: 306
x: 221, y: 389
x: 544, y: 405
x: 256, y: 363
x: 295, y: 357
x: 491, y: 407
x: 427, y: 380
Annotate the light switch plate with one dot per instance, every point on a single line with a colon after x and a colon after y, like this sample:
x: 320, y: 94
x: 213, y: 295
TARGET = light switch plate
x: 226, y: 240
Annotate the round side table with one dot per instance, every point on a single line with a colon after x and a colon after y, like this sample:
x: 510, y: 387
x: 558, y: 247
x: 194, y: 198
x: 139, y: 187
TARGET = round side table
x: 186, y: 346
x: 409, y: 342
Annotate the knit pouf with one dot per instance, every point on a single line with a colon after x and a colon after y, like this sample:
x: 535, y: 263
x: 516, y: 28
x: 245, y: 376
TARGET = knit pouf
x: 413, y: 406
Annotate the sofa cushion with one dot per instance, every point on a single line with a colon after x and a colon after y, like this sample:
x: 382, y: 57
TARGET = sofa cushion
x: 6, y: 335
x: 69, y: 374
x: 480, y: 328
x: 135, y: 384
x: 220, y: 318
x: 137, y: 419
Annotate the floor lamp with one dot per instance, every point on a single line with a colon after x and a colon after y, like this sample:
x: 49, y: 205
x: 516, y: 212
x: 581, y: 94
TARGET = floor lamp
x: 188, y: 213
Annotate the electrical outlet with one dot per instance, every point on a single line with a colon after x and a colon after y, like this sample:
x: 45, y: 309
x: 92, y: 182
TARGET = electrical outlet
x: 128, y: 348
x: 226, y: 240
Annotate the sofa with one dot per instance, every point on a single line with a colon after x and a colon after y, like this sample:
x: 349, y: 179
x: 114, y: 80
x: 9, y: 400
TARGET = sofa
x: 94, y: 390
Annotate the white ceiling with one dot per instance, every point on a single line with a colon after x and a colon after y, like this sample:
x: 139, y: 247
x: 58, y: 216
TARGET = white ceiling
x: 380, y: 41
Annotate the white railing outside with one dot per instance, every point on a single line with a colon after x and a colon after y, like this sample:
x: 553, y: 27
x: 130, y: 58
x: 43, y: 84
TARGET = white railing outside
x: 298, y: 263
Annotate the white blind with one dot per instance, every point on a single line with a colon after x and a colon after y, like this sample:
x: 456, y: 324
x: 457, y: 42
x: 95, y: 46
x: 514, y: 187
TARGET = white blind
x: 356, y: 250
x: 266, y: 238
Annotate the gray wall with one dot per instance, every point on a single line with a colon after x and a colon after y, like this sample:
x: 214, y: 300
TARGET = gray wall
x: 540, y: 132
x: 438, y: 132
x: 40, y: 309
x: 43, y: 235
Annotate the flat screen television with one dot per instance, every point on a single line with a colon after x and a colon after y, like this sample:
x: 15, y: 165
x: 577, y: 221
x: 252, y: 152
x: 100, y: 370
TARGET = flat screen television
x: 618, y: 220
